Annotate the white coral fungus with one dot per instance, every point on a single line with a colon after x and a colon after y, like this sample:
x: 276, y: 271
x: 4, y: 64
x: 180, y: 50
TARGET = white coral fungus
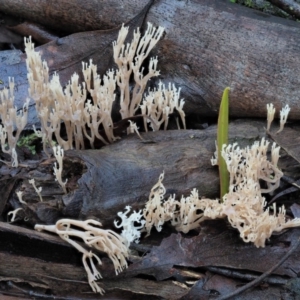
x: 13, y: 122
x: 154, y: 212
x: 131, y: 231
x: 270, y: 115
x: 283, y: 117
x: 251, y: 174
x: 129, y: 58
x: 159, y: 103
x: 58, y: 152
x: 82, y: 117
x: 95, y: 237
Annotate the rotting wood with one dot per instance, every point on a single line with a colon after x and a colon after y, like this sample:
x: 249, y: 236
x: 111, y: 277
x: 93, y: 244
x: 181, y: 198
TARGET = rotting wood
x: 69, y: 282
x: 208, y: 45
x: 211, y: 44
x: 102, y: 182
x: 75, y: 16
x: 169, y: 268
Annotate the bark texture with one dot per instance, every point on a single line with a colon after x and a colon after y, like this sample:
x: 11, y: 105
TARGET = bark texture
x: 102, y: 182
x: 212, y: 44
x: 75, y: 16
x: 208, y: 45
x: 42, y: 266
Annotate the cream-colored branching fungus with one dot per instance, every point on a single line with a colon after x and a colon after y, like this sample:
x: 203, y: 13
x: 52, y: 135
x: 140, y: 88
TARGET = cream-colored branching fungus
x: 83, y: 118
x: 284, y: 112
x: 58, y: 152
x: 270, y: 115
x: 96, y: 238
x: 129, y: 58
x: 183, y: 214
x: 20, y: 197
x: 251, y: 174
x: 252, y: 163
x: 12, y: 122
x: 159, y: 103
x: 154, y: 212
x: 283, y: 117
x: 37, y: 190
x: 13, y: 213
x: 55, y: 104
x: 98, y: 111
x: 132, y: 128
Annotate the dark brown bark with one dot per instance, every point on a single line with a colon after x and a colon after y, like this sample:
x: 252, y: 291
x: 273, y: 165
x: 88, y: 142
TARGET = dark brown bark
x: 43, y: 266
x: 211, y: 44
x: 102, y: 182
x: 37, y: 32
x: 74, y: 16
x: 227, y: 45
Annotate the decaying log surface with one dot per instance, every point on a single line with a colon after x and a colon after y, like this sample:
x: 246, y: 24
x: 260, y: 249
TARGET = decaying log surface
x: 124, y: 173
x: 211, y: 44
x: 208, y: 45
x: 75, y: 15
x: 44, y: 266
x: 102, y: 182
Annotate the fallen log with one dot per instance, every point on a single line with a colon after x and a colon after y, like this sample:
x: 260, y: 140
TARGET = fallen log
x: 74, y: 16
x: 220, y: 45
x: 102, y: 182
x: 216, y: 44
x: 40, y: 265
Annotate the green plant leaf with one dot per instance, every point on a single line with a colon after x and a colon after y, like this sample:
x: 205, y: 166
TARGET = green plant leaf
x: 222, y: 138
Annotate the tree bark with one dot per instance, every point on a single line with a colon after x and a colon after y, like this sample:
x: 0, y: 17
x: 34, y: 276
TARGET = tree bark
x: 102, y: 182
x: 39, y: 265
x: 228, y: 45
x: 211, y: 44
x: 74, y: 16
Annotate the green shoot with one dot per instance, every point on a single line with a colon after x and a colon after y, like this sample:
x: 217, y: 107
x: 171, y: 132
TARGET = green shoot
x: 222, y: 138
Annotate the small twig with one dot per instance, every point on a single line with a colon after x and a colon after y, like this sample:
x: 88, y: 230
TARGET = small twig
x: 263, y: 276
x: 246, y: 276
x: 60, y: 279
x: 39, y: 295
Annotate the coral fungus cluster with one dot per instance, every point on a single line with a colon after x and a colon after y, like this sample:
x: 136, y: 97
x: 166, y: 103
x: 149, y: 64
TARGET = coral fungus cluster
x: 251, y: 174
